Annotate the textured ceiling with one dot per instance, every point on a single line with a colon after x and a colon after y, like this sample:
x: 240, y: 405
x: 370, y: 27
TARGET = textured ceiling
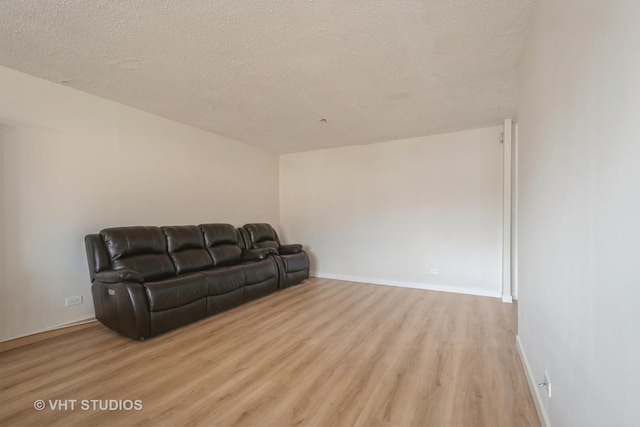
x: 267, y: 72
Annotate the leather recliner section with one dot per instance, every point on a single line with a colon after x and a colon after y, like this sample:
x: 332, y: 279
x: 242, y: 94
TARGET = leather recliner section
x: 292, y: 260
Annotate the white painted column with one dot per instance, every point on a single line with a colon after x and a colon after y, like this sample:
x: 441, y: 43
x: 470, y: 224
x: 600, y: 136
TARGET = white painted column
x: 514, y: 215
x: 506, y: 210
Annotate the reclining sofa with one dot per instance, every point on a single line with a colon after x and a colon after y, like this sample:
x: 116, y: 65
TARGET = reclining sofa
x: 149, y: 280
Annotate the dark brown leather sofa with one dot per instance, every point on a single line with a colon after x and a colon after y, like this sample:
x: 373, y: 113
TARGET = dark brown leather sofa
x: 149, y: 280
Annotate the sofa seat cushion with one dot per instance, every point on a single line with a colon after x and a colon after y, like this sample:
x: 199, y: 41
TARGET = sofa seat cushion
x: 223, y: 279
x: 259, y: 271
x: 295, y: 262
x: 176, y: 291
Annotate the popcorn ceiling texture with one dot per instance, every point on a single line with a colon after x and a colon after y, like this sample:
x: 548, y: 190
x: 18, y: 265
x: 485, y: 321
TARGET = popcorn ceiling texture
x: 266, y: 72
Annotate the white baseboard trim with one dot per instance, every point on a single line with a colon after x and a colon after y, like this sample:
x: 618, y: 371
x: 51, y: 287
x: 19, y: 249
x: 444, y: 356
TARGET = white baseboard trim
x: 53, y: 328
x: 402, y: 284
x: 53, y: 332
x: 507, y: 299
x: 533, y: 385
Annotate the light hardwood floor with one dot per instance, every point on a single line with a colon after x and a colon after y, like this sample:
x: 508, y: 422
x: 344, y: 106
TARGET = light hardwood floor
x: 323, y: 353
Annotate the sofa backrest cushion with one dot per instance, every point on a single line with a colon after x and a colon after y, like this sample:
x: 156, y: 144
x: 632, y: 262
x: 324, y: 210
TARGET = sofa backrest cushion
x: 142, y: 249
x: 223, y: 243
x: 262, y: 236
x: 186, y: 248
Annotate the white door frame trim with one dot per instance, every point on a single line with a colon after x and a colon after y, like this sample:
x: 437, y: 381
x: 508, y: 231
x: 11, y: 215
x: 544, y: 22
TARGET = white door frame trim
x: 507, y: 146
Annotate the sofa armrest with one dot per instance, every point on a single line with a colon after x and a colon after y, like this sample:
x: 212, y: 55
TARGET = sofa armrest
x: 290, y: 249
x: 255, y: 254
x: 122, y: 307
x: 118, y: 276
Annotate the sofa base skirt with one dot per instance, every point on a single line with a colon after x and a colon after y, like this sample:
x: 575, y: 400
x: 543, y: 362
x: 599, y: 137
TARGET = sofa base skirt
x: 164, y: 321
x: 219, y: 303
x: 294, y: 277
x: 260, y: 289
x: 123, y: 307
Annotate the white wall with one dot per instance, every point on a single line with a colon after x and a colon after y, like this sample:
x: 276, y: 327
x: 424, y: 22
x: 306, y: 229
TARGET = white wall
x: 73, y: 163
x: 386, y: 213
x: 579, y: 210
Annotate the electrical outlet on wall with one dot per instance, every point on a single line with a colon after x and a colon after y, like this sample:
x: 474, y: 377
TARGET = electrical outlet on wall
x: 74, y: 300
x: 435, y: 271
x: 546, y: 384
